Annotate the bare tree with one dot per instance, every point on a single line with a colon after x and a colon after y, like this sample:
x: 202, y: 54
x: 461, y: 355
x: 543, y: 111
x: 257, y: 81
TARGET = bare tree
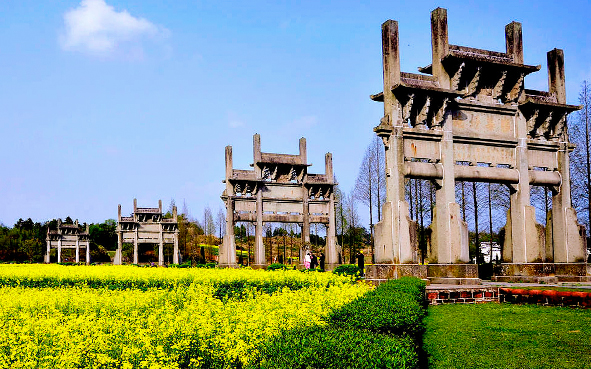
x: 579, y: 133
x: 208, y: 223
x: 221, y: 222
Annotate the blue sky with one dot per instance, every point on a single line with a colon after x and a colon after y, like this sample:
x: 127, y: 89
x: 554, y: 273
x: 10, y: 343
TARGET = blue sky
x: 102, y: 102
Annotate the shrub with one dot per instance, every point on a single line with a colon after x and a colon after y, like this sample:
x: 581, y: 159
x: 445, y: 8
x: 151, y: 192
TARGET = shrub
x: 347, y: 269
x: 277, y: 266
x: 395, y: 307
x: 328, y: 347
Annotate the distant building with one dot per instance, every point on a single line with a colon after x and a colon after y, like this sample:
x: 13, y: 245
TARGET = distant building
x: 68, y: 236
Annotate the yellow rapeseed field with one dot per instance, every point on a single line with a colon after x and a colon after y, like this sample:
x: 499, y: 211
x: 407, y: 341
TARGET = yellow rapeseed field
x: 177, y: 321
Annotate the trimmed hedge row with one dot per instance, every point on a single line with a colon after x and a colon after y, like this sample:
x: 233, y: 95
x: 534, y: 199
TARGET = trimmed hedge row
x: 395, y: 307
x: 381, y: 329
x: 334, y: 348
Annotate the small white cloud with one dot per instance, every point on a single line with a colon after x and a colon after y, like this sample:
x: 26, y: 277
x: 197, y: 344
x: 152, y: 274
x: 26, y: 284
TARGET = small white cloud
x: 235, y: 123
x: 97, y: 28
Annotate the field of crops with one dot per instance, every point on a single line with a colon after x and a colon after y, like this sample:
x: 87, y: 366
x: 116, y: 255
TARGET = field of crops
x: 57, y: 316
x: 122, y: 316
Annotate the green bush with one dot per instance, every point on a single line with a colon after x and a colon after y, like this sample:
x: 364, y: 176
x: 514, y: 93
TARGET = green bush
x: 329, y: 347
x: 347, y: 269
x: 395, y: 307
x: 277, y: 266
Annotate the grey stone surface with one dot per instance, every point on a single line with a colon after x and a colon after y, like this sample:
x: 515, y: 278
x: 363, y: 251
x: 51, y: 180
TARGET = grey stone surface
x: 468, y: 117
x: 68, y: 236
x: 147, y: 225
x: 278, y: 189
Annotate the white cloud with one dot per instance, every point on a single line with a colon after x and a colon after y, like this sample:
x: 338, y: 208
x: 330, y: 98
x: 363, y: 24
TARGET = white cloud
x: 235, y: 123
x: 97, y: 28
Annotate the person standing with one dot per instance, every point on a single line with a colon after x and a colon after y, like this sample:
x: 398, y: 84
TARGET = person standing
x: 307, y: 260
x: 313, y: 262
x: 321, y: 260
x: 361, y: 263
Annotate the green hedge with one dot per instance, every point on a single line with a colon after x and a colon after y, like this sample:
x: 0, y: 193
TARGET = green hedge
x: 347, y: 269
x: 394, y: 307
x: 329, y: 347
x: 278, y: 266
x: 381, y: 329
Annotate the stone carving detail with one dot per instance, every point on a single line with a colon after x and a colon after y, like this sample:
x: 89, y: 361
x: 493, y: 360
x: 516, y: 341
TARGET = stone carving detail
x: 498, y: 89
x: 421, y: 119
x: 455, y: 81
x: 515, y: 93
x: 406, y: 110
x: 440, y: 116
x: 472, y: 88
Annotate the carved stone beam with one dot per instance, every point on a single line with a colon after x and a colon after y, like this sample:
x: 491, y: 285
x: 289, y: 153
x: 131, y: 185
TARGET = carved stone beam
x: 512, y: 187
x: 560, y: 127
x: 437, y: 183
x: 455, y: 80
x: 421, y: 118
x: 544, y: 127
x: 498, y: 89
x: 531, y: 122
x: 440, y: 115
x: 515, y: 92
x: 407, y: 108
x: 472, y: 88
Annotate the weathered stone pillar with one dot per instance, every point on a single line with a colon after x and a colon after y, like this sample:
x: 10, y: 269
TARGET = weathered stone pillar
x: 59, y: 249
x: 227, y: 253
x: 175, y: 240
x: 392, y: 243
x: 439, y: 45
x: 77, y: 250
x: 331, y: 253
x: 259, y: 245
x: 175, y: 251
x: 227, y: 256
x: 118, y: 255
x: 569, y: 243
x: 161, y: 247
x: 87, y: 252
x: 514, y: 41
x: 47, y: 254
x: 135, y: 248
x: 523, y: 250
x: 449, y: 239
x: 306, y: 216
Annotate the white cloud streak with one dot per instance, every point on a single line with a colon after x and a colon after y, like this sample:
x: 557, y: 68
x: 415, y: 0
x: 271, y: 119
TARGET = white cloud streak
x: 97, y: 28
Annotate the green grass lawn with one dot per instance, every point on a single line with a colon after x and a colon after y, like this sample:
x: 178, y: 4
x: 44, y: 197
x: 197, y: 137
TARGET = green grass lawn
x: 507, y: 336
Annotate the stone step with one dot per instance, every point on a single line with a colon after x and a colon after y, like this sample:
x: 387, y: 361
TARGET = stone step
x: 573, y: 278
x: 456, y: 281
x: 525, y: 279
